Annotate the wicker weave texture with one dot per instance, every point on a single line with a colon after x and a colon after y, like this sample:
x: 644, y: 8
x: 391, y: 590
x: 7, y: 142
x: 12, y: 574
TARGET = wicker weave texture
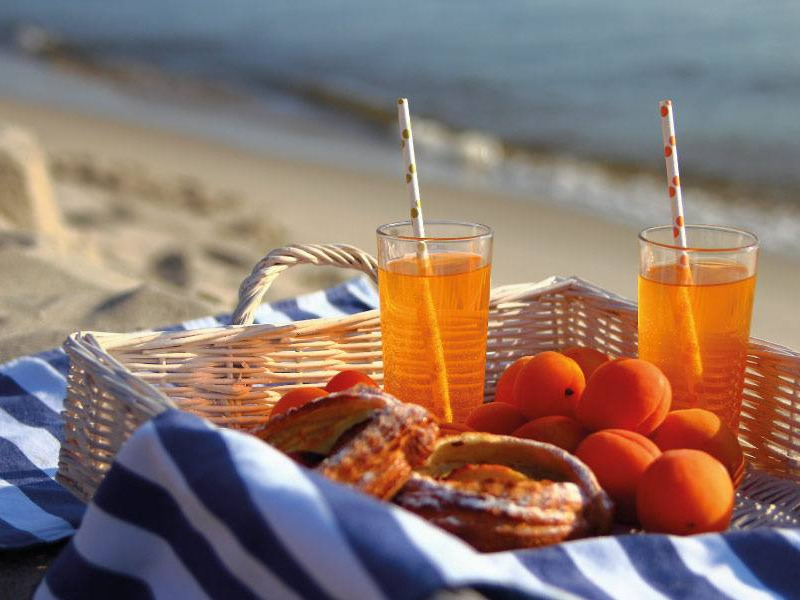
x: 234, y: 375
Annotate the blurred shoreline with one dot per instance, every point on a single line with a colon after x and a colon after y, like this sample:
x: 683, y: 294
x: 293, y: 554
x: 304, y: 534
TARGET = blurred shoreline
x: 188, y: 196
x: 323, y: 125
x: 191, y: 216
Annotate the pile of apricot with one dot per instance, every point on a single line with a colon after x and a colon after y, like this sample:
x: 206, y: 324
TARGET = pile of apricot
x: 670, y: 472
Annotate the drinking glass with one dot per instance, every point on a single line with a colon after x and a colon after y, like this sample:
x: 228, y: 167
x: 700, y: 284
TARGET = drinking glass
x: 434, y: 296
x: 695, y: 305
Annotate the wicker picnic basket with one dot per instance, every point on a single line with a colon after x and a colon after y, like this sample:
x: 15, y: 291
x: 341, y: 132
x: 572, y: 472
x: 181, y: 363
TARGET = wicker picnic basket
x: 233, y: 375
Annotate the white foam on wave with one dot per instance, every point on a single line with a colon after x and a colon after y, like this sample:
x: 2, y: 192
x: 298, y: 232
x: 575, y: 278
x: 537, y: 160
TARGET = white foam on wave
x: 639, y: 200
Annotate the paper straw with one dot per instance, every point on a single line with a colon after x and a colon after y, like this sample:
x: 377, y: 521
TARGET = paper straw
x: 427, y: 309
x: 673, y: 176
x: 410, y: 164
x: 684, y: 312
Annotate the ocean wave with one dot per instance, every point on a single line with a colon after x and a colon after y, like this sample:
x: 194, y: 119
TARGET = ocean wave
x: 475, y: 148
x: 109, y: 61
x: 616, y: 191
x: 36, y: 40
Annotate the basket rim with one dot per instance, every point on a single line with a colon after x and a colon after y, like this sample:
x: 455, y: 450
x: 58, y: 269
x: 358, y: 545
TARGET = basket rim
x: 500, y: 296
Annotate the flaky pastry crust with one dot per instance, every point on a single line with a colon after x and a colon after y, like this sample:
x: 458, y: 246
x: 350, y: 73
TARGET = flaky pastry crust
x: 368, y: 439
x: 540, y: 495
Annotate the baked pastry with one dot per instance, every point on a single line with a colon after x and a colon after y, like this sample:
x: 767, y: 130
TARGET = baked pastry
x: 503, y: 493
x: 361, y: 437
x: 446, y: 429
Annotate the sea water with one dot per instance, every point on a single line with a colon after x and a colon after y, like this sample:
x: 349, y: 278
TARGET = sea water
x: 551, y: 100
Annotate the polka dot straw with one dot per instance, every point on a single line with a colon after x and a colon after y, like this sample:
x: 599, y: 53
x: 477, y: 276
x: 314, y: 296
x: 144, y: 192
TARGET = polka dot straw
x: 687, y: 328
x: 412, y: 184
x: 427, y: 310
x: 673, y: 177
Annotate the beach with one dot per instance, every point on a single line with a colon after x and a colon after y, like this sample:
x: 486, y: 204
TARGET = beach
x: 152, y: 153
x: 169, y: 224
x: 161, y: 227
x: 160, y: 210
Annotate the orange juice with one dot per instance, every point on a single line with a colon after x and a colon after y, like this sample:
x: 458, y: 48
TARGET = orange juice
x: 456, y: 286
x: 720, y: 297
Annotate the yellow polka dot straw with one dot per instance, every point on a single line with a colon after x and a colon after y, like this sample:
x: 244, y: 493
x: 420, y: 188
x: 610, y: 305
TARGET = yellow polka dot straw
x: 684, y: 315
x: 409, y: 163
x: 427, y: 309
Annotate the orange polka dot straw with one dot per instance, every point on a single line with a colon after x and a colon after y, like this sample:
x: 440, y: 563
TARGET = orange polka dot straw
x: 684, y: 316
x: 673, y: 177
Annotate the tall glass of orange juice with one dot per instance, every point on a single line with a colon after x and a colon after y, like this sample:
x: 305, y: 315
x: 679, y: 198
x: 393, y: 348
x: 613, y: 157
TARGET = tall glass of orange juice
x: 694, y: 313
x: 434, y: 295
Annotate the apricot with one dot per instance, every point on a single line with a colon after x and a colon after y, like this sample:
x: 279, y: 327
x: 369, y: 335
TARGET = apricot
x: 685, y: 492
x: 627, y: 393
x: 296, y: 398
x: 698, y: 429
x: 549, y: 384
x: 561, y: 431
x: 504, y: 392
x: 344, y: 380
x: 588, y: 359
x: 618, y: 458
x: 495, y: 417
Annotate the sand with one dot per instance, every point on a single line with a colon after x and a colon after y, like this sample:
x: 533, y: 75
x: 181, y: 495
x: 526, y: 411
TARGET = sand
x: 192, y: 216
x: 163, y: 227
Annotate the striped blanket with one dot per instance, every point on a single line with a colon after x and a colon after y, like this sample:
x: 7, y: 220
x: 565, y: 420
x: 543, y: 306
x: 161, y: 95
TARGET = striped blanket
x: 192, y: 511
x: 34, y: 509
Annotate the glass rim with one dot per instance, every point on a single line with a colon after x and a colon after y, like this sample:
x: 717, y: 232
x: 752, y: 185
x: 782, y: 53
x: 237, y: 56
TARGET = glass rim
x: 484, y: 231
x: 753, y: 243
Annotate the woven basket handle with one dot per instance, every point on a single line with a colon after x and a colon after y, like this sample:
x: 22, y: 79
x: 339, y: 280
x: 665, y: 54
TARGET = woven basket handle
x: 273, y: 264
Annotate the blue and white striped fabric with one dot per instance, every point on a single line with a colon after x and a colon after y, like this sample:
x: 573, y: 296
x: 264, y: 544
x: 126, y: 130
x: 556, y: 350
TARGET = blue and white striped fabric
x: 34, y: 509
x: 192, y: 511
